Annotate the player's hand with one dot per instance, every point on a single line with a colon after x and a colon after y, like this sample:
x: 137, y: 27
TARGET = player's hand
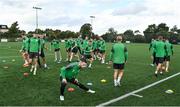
x: 76, y: 80
x: 110, y: 62
x: 64, y: 81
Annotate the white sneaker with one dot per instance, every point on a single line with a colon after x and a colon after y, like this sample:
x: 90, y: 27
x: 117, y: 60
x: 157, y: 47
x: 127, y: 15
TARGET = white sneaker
x: 91, y: 91
x: 35, y: 71
x: 59, y: 62
x: 61, y: 98
x: 152, y: 65
x: 31, y: 70
x: 115, y: 84
x: 89, y: 66
x: 118, y: 84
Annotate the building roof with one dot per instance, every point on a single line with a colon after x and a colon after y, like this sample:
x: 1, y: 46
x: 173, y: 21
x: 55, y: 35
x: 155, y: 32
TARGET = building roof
x: 3, y: 27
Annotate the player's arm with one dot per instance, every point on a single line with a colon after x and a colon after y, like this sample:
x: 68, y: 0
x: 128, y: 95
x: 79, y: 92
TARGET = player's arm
x: 39, y: 45
x: 150, y: 46
x: 172, y: 50
x: 126, y: 54
x: 165, y: 47
x: 111, y: 54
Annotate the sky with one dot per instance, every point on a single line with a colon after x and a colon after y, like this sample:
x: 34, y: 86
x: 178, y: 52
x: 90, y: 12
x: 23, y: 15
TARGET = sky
x: 72, y: 14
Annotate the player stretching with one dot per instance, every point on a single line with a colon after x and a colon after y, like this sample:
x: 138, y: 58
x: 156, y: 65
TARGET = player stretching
x: 74, y: 50
x: 160, y: 49
x: 102, y: 50
x: 34, y: 50
x: 88, y: 53
x: 118, y: 56
x: 69, y: 74
x: 170, y: 52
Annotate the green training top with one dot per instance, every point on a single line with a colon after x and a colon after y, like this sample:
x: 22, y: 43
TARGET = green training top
x: 88, y: 50
x: 42, y: 42
x: 160, y: 48
x: 94, y: 44
x: 169, y: 48
x: 70, y: 71
x: 151, y: 47
x: 34, y: 45
x: 55, y: 44
x: 119, y: 53
x: 25, y: 44
x: 102, y: 45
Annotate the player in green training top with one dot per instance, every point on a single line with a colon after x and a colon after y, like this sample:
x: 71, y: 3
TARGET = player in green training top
x: 57, y: 53
x: 42, y: 54
x: 119, y: 57
x: 102, y: 49
x: 69, y: 74
x: 88, y: 53
x: 95, y: 48
x: 24, y: 50
x: 74, y: 50
x: 160, y: 49
x: 151, y: 48
x: 34, y: 50
x: 68, y: 49
x: 169, y: 53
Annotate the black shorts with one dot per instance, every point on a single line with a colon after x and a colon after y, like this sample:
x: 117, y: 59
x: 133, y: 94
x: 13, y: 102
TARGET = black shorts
x: 68, y: 50
x: 87, y: 56
x: 55, y: 50
x: 167, y: 58
x: 102, y: 51
x: 159, y: 60
x: 42, y: 54
x: 33, y: 55
x: 118, y: 66
x: 75, y: 50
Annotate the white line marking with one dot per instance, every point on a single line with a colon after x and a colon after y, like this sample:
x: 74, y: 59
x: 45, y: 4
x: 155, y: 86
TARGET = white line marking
x: 136, y: 95
x: 138, y: 90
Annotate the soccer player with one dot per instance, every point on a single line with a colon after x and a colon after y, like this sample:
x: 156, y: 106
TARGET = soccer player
x: 42, y: 54
x: 88, y: 53
x: 69, y: 74
x: 68, y: 49
x: 94, y: 44
x: 160, y: 49
x: 34, y: 50
x: 84, y: 45
x: 57, y: 54
x: 119, y: 57
x: 102, y: 50
x: 24, y: 50
x: 169, y: 53
x: 74, y: 50
x: 151, y: 48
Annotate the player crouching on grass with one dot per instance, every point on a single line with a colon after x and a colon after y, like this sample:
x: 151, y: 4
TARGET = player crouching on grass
x: 34, y: 51
x: 24, y: 50
x: 161, y: 51
x: 118, y: 56
x: 69, y: 74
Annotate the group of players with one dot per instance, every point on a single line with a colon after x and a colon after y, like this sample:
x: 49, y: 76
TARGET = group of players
x: 161, y: 50
x: 90, y: 50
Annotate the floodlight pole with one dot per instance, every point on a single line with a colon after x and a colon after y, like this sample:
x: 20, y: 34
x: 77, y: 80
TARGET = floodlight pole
x: 92, y: 17
x: 37, y: 8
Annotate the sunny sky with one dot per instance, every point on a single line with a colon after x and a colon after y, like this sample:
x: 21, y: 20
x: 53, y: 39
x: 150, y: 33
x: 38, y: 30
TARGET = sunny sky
x: 71, y: 14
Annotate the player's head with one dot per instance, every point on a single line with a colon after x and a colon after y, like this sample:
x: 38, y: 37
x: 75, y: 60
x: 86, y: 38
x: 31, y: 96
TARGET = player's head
x: 160, y: 38
x: 119, y: 38
x: 82, y: 64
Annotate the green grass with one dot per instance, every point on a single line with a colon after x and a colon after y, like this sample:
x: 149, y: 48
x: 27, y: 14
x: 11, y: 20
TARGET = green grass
x: 43, y: 89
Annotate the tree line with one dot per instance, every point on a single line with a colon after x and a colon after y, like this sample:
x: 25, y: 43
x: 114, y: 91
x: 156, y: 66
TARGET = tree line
x: 152, y: 31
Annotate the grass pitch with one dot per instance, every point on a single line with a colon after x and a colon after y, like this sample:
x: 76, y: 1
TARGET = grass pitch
x: 43, y: 89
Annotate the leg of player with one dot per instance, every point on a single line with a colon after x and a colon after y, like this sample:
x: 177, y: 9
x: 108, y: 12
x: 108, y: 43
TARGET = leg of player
x: 62, y: 88
x: 120, y: 75
x: 158, y: 69
x: 90, y: 62
x: 115, y: 77
x: 58, y: 57
x: 71, y: 56
x: 77, y: 83
x: 35, y: 66
x: 103, y: 58
x: 55, y: 56
x: 167, y: 66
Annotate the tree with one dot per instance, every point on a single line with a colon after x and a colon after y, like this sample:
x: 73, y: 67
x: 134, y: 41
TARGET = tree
x: 150, y: 32
x: 129, y: 35
x: 110, y: 35
x: 86, y: 30
x: 14, y: 31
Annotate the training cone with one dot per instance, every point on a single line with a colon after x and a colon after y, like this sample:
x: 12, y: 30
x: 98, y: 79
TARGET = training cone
x: 89, y: 83
x: 13, y: 60
x: 103, y: 80
x: 6, y: 67
x: 108, y: 67
x: 169, y: 91
x: 70, y: 89
x: 26, y: 74
x: 4, y: 61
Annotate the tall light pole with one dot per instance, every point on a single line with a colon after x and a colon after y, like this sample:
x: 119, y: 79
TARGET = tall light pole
x: 92, y: 17
x: 37, y: 8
